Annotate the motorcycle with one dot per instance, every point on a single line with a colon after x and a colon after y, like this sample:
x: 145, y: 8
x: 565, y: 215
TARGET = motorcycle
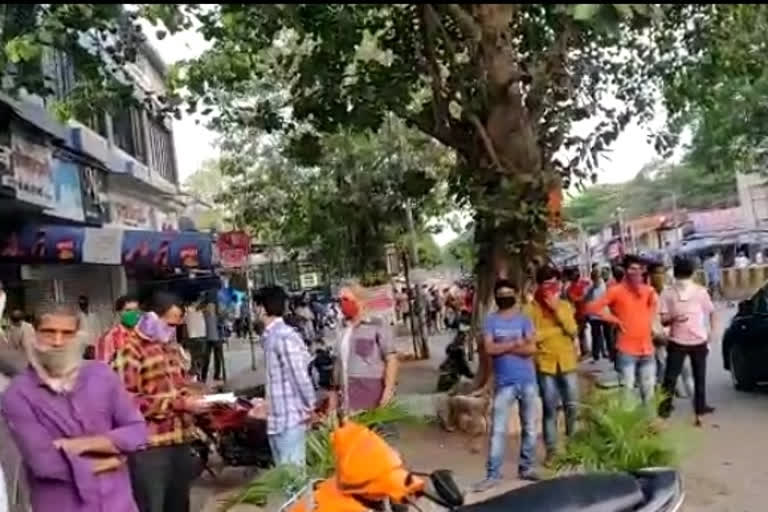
x: 370, y: 476
x: 455, y: 364
x: 239, y: 439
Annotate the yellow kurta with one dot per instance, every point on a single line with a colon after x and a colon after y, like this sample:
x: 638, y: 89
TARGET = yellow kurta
x: 555, y: 349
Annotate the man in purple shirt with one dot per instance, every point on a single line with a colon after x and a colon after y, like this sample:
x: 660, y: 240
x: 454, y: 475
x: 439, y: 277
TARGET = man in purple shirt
x: 72, y: 422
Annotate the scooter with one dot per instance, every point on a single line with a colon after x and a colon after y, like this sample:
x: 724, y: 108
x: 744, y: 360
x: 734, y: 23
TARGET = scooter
x: 371, y: 476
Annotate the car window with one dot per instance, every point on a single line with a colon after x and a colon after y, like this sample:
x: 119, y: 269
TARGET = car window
x: 760, y: 302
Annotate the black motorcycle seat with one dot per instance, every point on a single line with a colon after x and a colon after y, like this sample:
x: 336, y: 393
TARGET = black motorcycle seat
x: 608, y: 492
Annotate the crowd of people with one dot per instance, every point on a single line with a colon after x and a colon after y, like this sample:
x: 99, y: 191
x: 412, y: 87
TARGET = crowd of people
x: 649, y: 329
x: 106, y: 422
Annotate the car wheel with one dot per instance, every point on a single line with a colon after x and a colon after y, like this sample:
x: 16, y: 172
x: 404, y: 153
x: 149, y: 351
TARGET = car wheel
x: 740, y: 372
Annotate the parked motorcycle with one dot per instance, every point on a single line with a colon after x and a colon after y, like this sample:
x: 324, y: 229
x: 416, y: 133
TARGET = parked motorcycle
x: 455, y: 364
x: 371, y: 476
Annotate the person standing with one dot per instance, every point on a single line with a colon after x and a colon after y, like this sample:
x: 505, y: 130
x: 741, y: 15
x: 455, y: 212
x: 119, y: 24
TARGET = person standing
x: 151, y: 368
x: 631, y: 307
x: 72, y: 422
x: 128, y: 313
x: 597, y: 327
x: 372, y: 360
x: 557, y: 355
x: 688, y: 310
x: 20, y: 332
x: 712, y: 270
x: 576, y: 292
x: 508, y: 338
x: 290, y: 394
x: 214, y: 344
x: 194, y: 320
x: 89, y: 325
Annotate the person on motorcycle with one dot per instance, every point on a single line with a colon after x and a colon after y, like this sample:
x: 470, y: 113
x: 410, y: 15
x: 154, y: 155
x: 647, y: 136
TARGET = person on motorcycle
x: 372, y: 362
x: 556, y: 355
x: 509, y: 340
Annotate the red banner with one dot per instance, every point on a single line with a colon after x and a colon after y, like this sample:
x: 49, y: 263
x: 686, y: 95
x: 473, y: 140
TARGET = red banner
x: 234, y: 247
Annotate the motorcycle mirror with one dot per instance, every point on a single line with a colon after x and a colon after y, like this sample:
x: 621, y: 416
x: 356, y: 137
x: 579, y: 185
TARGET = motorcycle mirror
x: 446, y: 488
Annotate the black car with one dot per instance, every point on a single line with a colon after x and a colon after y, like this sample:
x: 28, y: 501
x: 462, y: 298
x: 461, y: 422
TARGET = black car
x: 745, y: 342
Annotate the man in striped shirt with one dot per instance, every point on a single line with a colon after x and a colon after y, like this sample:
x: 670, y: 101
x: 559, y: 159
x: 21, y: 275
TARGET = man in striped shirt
x: 290, y: 394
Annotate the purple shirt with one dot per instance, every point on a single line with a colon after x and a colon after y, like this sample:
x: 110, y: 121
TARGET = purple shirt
x: 97, y: 405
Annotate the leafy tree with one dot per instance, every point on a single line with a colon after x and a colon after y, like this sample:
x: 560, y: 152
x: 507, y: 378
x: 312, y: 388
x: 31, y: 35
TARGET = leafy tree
x: 346, y: 207
x: 207, y: 184
x: 99, y: 40
x: 501, y: 84
x: 655, y: 189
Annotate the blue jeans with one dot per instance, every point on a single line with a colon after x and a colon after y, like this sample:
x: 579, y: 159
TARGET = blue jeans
x: 640, y: 369
x: 289, y: 446
x: 553, y: 388
x: 525, y: 395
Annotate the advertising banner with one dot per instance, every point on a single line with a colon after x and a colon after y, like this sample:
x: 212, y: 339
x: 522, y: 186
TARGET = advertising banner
x: 380, y: 302
x: 103, y: 246
x: 234, y: 247
x: 32, y: 171
x: 166, y: 250
x: 42, y: 244
x: 68, y: 199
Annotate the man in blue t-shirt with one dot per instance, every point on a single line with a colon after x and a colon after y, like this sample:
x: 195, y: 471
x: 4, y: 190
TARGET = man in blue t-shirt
x: 508, y: 340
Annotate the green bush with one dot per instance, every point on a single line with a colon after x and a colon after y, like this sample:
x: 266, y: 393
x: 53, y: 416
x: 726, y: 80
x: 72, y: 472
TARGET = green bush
x: 614, y: 435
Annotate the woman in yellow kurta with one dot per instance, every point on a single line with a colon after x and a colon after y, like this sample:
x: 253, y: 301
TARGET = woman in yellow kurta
x: 557, y: 354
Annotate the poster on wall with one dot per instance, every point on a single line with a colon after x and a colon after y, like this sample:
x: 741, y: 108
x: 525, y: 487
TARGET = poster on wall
x: 103, y: 246
x: 128, y: 212
x: 42, y: 243
x: 166, y: 250
x: 234, y: 247
x: 380, y: 302
x: 68, y: 199
x: 94, y: 195
x: 32, y: 171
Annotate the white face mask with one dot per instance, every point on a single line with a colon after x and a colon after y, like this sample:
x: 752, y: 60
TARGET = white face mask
x: 59, y: 361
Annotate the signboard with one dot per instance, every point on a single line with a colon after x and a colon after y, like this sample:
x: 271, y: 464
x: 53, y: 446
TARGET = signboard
x: 166, y: 250
x: 32, y: 171
x: 128, y: 212
x: 103, y: 246
x: 68, y: 199
x: 380, y: 302
x: 41, y: 244
x: 309, y: 280
x: 94, y: 194
x: 234, y: 247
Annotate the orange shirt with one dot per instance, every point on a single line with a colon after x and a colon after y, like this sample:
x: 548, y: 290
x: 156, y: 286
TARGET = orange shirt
x: 634, y: 309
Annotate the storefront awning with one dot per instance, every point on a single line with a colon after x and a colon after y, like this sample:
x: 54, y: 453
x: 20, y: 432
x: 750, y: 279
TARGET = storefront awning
x: 52, y: 243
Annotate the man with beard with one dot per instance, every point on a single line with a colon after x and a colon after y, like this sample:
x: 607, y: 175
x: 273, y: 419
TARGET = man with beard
x: 72, y: 422
x: 152, y: 370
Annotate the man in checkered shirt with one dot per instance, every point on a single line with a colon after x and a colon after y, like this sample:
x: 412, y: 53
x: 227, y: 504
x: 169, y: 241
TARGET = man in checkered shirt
x: 290, y: 393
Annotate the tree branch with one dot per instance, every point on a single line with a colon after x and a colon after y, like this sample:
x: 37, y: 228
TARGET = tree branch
x: 465, y: 21
x: 439, y: 104
x: 487, y: 142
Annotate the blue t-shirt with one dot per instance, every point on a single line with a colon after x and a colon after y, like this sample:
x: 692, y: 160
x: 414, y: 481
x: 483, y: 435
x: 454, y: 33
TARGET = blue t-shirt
x: 510, y: 369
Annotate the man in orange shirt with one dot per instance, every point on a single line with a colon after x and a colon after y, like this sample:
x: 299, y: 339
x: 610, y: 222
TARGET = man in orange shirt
x: 631, y: 306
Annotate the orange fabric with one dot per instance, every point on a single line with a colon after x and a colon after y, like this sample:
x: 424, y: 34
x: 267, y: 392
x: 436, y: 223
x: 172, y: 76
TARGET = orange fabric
x: 634, y: 310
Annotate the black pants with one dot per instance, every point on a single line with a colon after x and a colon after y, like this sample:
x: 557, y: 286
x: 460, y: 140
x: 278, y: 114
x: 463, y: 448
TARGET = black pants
x: 162, y: 477
x: 217, y: 349
x: 582, y: 334
x: 197, y: 351
x: 676, y: 355
x: 599, y: 330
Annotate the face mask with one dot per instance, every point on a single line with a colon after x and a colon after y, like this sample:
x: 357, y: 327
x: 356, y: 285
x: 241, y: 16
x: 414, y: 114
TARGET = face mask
x: 153, y: 328
x: 130, y: 318
x: 506, y: 302
x: 59, y: 361
x: 349, y: 308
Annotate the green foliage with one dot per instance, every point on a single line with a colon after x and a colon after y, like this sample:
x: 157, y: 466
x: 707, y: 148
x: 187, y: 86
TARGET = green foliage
x: 616, y: 436
x: 461, y: 251
x: 348, y: 205
x: 651, y: 191
x: 272, y: 484
x: 207, y: 184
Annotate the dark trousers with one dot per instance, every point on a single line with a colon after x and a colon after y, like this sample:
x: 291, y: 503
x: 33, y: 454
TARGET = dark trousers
x: 197, y: 351
x: 217, y: 349
x: 599, y: 330
x: 582, y: 333
x: 162, y: 477
x: 676, y: 355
